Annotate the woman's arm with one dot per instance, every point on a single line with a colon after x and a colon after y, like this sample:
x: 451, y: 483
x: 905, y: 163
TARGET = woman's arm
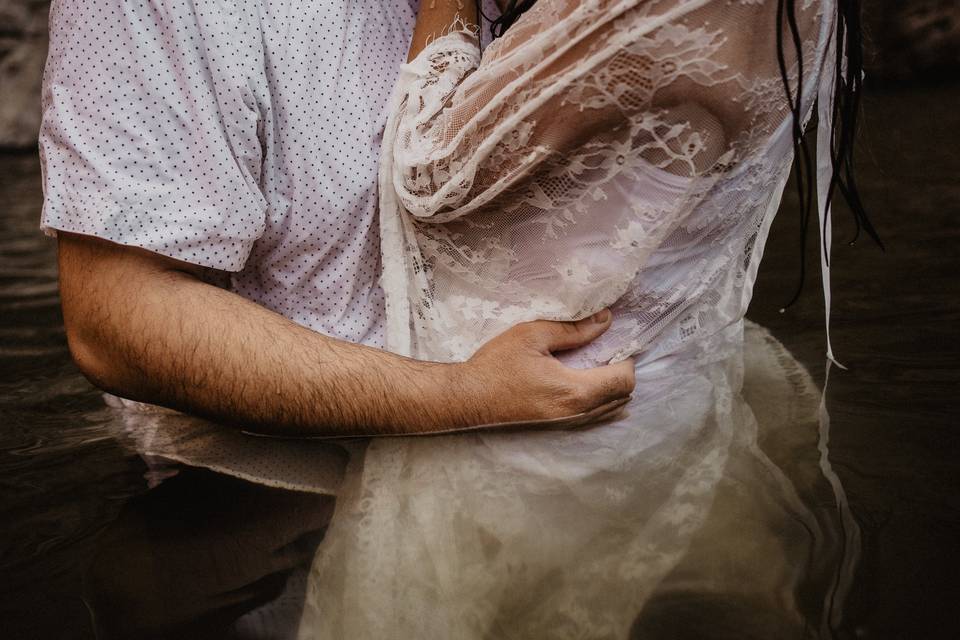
x: 437, y: 17
x: 572, y: 79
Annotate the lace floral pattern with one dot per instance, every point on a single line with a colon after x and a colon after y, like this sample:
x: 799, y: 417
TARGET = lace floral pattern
x: 590, y: 145
x: 620, y: 153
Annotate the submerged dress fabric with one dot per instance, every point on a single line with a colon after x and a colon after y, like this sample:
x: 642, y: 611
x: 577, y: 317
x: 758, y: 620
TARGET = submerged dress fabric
x: 628, y: 154
x: 764, y: 557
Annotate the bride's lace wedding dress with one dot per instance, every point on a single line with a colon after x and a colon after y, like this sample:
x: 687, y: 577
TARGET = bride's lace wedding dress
x: 617, y: 153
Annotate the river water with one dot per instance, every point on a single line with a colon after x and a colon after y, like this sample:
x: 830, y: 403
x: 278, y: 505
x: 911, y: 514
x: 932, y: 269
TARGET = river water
x: 81, y: 512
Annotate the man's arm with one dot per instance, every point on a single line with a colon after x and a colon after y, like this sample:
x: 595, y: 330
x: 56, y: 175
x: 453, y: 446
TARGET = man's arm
x: 149, y: 328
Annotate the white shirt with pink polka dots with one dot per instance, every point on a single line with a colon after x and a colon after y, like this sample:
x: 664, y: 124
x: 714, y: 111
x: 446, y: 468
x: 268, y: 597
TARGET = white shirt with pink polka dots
x: 241, y: 135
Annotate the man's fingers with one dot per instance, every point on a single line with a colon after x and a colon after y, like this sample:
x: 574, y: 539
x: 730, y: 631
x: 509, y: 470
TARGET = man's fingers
x: 608, y: 383
x: 597, y: 415
x: 550, y: 336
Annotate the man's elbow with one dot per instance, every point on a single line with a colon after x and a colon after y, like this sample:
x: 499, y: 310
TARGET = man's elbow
x: 89, y: 274
x: 93, y: 358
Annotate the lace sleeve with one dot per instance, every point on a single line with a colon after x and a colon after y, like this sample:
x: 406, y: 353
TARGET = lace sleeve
x: 591, y: 124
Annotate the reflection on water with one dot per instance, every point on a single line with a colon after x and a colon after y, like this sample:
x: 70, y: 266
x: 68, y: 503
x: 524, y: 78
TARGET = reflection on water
x: 199, y: 554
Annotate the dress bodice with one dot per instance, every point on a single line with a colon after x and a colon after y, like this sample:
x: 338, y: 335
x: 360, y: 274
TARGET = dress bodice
x: 687, y: 301
x: 609, y: 153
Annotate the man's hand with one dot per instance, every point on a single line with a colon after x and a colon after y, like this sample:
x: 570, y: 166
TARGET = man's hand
x: 531, y: 384
x: 152, y: 329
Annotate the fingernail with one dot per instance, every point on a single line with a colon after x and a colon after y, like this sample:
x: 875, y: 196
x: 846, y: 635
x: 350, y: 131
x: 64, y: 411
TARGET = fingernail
x: 601, y: 317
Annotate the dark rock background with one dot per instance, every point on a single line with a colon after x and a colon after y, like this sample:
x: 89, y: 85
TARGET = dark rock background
x: 23, y: 51
x: 915, y: 40
x: 910, y: 41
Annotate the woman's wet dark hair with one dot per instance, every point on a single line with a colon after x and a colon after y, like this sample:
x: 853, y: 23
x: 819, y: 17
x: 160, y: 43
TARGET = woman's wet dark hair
x: 846, y: 110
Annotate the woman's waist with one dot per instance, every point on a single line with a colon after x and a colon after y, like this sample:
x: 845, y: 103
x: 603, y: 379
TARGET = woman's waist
x: 661, y: 352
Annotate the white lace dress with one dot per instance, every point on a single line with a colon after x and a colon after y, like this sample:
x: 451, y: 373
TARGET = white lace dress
x: 617, y: 153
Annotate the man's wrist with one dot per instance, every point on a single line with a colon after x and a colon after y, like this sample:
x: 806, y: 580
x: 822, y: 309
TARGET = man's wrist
x: 460, y: 398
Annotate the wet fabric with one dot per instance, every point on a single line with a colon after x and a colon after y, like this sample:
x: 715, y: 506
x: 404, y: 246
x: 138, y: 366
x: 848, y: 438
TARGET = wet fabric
x: 602, y: 153
x: 238, y: 135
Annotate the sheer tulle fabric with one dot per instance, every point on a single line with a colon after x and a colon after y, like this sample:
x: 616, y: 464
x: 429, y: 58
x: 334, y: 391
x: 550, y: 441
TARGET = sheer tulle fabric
x: 628, y: 154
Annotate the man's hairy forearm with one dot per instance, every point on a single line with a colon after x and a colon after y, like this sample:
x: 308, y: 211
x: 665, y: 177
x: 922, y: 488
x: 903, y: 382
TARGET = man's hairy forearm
x: 150, y: 329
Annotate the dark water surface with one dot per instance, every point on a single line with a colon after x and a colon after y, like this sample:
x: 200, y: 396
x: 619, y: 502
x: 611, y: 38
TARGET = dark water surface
x: 200, y: 549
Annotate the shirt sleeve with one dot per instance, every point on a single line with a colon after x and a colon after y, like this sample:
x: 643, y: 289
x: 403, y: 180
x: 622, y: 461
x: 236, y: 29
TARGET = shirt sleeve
x: 149, y: 132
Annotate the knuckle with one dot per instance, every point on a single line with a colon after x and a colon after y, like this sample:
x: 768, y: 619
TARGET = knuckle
x: 525, y: 327
x: 609, y: 388
x: 526, y: 332
x: 628, y: 379
x: 577, y: 398
x: 571, y: 329
x: 559, y: 399
x: 620, y: 386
